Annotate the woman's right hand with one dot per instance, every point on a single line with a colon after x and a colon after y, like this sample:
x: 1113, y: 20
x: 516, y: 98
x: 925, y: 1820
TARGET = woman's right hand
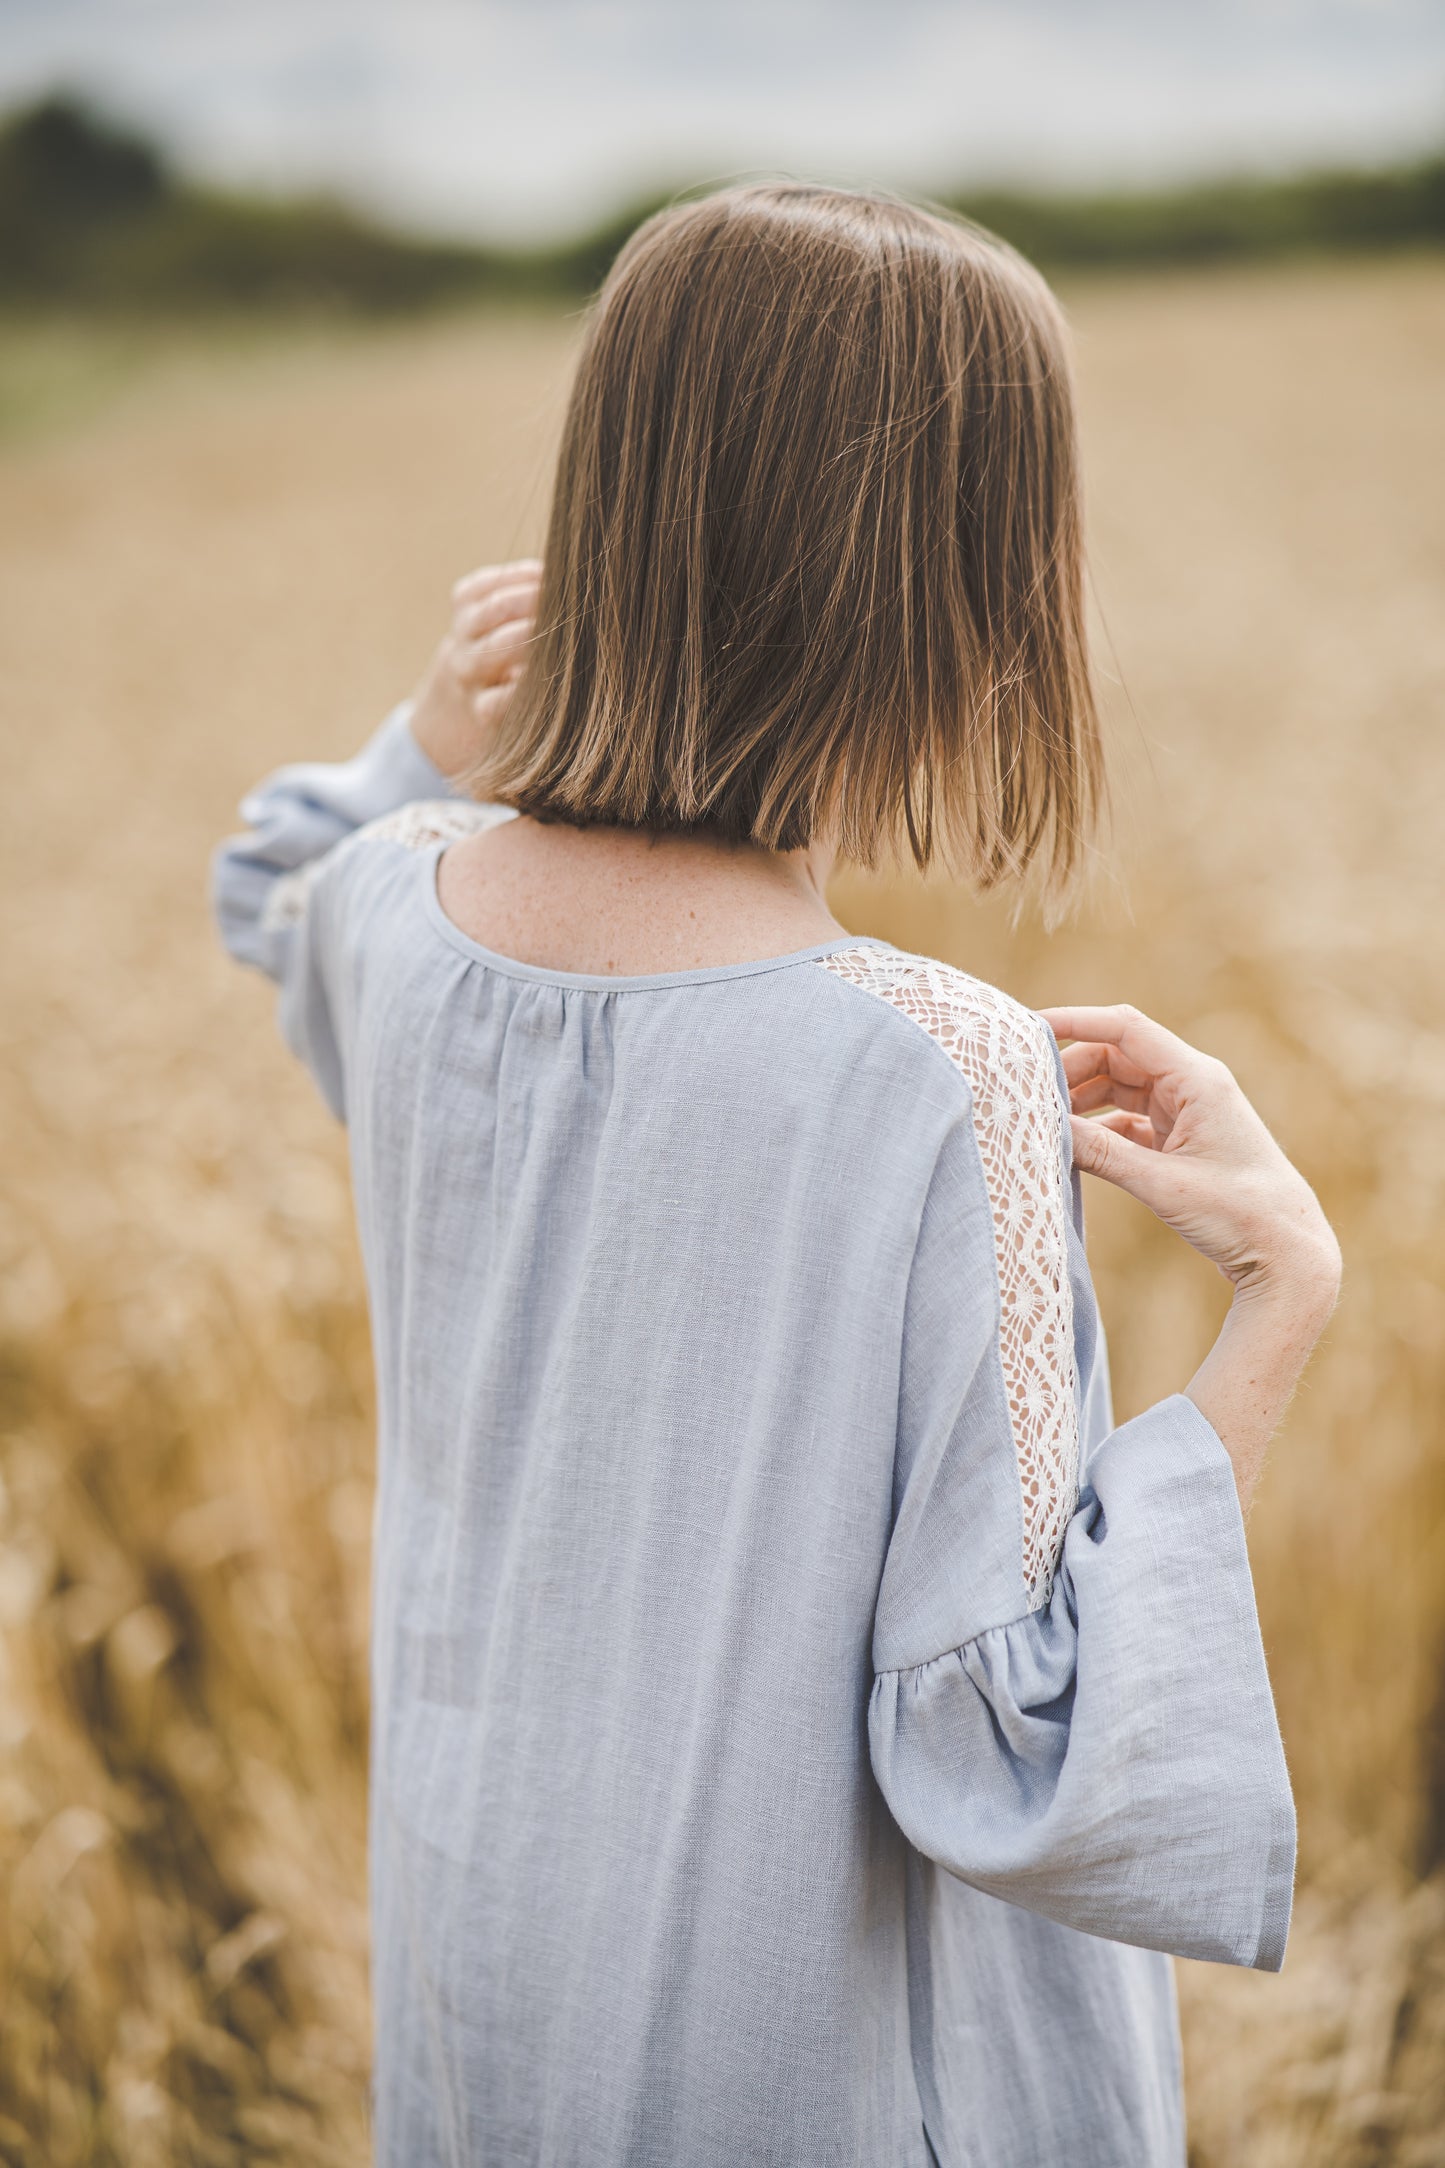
x: 1156, y: 1117
x: 481, y: 656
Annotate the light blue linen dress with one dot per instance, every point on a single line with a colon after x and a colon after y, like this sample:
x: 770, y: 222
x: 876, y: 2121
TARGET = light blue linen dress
x: 801, y: 1720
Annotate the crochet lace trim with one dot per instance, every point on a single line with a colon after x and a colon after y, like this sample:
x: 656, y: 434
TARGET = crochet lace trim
x: 1004, y: 1054
x: 416, y: 827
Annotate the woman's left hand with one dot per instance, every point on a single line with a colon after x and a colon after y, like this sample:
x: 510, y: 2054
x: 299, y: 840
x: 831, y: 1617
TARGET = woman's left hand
x: 1177, y: 1132
x: 479, y: 660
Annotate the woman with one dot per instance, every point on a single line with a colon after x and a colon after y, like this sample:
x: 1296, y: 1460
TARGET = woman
x: 802, y: 1721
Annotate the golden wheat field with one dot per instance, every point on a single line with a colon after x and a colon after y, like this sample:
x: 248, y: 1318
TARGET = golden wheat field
x: 218, y: 554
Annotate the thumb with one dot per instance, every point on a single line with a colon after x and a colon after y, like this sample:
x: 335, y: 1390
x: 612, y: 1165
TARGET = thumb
x: 1101, y: 1151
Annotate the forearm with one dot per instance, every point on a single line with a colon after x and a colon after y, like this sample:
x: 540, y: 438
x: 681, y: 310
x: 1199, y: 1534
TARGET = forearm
x: 441, y: 717
x: 1246, y: 1381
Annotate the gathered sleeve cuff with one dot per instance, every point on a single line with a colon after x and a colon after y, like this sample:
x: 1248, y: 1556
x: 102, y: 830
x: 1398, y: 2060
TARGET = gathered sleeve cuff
x: 267, y: 883
x: 1112, y: 1759
x: 296, y: 817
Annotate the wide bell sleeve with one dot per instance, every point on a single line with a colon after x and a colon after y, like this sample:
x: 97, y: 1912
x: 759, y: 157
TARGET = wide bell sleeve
x: 267, y: 883
x: 1070, y: 1707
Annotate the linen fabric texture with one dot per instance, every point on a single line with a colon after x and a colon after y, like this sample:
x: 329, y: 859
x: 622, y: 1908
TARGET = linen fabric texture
x: 801, y: 1724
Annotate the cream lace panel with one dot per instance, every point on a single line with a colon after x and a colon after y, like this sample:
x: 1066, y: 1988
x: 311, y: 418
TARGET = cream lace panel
x: 416, y: 827
x: 1005, y: 1056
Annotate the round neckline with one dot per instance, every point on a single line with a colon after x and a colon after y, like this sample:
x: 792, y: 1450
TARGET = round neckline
x: 606, y: 982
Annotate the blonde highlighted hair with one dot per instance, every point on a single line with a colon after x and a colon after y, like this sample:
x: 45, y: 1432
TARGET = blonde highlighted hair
x: 814, y: 563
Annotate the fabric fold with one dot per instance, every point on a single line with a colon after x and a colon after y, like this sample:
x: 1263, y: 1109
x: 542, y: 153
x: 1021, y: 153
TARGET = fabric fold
x: 1113, y: 1760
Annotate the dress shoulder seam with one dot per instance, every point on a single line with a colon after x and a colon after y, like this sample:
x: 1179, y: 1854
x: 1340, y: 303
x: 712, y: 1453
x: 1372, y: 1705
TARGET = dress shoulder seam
x: 414, y: 827
x: 1004, y: 1056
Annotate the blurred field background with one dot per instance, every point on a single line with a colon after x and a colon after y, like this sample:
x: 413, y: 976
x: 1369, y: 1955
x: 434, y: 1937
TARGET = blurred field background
x: 223, y: 548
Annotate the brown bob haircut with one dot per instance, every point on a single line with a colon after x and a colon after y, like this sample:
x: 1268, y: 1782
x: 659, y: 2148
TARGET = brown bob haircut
x: 814, y: 563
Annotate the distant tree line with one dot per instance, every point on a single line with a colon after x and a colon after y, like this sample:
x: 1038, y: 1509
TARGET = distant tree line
x: 93, y: 216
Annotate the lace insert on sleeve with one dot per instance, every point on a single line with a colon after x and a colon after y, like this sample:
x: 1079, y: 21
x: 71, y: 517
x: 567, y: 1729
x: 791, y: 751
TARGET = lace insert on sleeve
x: 1004, y: 1054
x: 416, y: 827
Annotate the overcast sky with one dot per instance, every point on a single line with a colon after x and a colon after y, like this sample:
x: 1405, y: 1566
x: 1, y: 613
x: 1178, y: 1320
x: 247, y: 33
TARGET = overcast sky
x: 522, y: 117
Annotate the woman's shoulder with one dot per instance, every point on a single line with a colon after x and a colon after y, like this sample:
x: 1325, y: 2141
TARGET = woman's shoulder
x: 409, y: 833
x: 991, y: 1039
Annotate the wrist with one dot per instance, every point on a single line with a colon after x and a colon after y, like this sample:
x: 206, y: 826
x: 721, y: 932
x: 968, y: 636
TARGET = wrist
x: 440, y: 719
x: 1300, y: 1281
x: 1246, y: 1380
x: 431, y: 779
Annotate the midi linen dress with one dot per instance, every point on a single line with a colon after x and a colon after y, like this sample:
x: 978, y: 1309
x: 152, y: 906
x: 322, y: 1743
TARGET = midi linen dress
x: 802, y: 1720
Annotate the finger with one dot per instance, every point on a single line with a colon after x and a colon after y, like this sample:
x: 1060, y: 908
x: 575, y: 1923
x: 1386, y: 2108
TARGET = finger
x: 475, y: 616
x: 490, y: 706
x: 1107, y: 1091
x: 1154, y: 1048
x: 483, y: 577
x: 1086, y: 1059
x: 479, y: 663
x: 500, y: 647
x: 1100, y: 1150
x: 472, y: 586
x: 1136, y: 1127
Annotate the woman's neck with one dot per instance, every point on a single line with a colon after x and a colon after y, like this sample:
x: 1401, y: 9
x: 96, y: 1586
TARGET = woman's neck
x: 628, y: 902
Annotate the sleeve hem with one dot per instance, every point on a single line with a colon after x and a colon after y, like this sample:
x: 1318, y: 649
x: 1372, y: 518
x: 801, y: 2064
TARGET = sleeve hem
x: 1192, y: 1414
x: 1279, y: 1877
